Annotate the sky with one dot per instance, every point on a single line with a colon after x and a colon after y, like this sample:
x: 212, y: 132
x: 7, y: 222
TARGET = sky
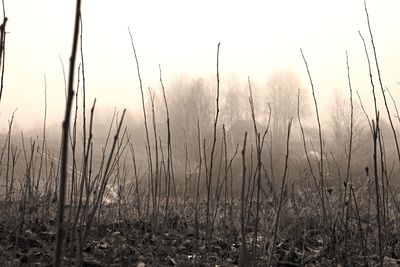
x: 257, y: 38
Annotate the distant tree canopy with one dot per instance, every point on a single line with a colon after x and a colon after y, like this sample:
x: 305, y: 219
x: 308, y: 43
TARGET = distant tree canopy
x: 234, y: 103
x: 339, y: 127
x: 190, y: 102
x: 281, y: 93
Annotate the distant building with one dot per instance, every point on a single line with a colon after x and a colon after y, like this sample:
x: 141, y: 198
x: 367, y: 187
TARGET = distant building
x: 236, y: 133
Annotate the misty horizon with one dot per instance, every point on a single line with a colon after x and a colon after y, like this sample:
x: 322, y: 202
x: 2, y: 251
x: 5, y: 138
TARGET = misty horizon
x: 254, y: 48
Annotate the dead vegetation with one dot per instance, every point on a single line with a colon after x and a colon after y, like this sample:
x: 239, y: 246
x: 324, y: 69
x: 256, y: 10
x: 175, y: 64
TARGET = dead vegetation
x: 231, y: 201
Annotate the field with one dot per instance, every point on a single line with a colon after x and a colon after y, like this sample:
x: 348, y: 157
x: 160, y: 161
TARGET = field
x: 196, y: 184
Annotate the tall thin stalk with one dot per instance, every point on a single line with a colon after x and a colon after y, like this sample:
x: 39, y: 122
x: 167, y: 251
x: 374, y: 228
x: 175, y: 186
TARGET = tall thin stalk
x: 64, y: 142
x: 196, y: 215
x: 321, y: 162
x: 243, y: 249
x: 2, y: 48
x: 375, y: 131
x: 156, y: 200
x: 138, y: 205
x: 169, y: 152
x: 375, y: 135
x: 148, y: 148
x: 348, y: 171
x: 380, y: 81
x: 210, y: 171
x: 257, y: 173
x: 43, y: 137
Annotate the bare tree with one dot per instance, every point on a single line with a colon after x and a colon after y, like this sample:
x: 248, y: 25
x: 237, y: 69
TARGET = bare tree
x: 339, y: 127
x: 234, y: 102
x: 282, y: 87
x: 190, y: 101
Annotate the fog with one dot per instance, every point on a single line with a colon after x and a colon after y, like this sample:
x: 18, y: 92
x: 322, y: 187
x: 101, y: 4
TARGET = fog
x: 259, y: 53
x: 257, y: 39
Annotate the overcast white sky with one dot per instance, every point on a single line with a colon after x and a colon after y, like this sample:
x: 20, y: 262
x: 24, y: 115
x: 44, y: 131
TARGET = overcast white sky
x: 257, y: 37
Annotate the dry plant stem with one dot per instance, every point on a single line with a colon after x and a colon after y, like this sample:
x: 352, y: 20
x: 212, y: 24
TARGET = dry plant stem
x: 84, y: 183
x: 25, y: 188
x: 64, y: 76
x: 398, y: 118
x: 3, y: 150
x: 196, y: 215
x: 9, y: 180
x: 209, y: 178
x: 383, y: 175
x: 226, y: 176
x: 169, y: 152
x: 359, y: 224
x: 156, y: 199
x: 250, y: 189
x: 148, y: 148
x: 101, y: 185
x: 185, y: 144
x: 370, y: 75
x: 321, y: 163
x: 64, y: 141
x: 305, y: 148
x: 243, y: 250
x: 217, y: 194
x: 394, y: 105
x: 281, y: 195
x: 8, y: 145
x: 74, y: 176
x: 380, y: 82
x: 376, y: 134
x: 2, y: 49
x: 44, y: 136
x: 348, y: 172
x: 258, y: 168
x: 83, y: 93
x: 270, y: 153
x: 228, y: 169
x: 271, y: 162
x: 73, y: 184
x: 106, y: 174
x: 396, y: 204
x: 15, y: 156
x: 83, y: 208
x: 138, y: 206
x: 364, y: 111
x: 220, y: 186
